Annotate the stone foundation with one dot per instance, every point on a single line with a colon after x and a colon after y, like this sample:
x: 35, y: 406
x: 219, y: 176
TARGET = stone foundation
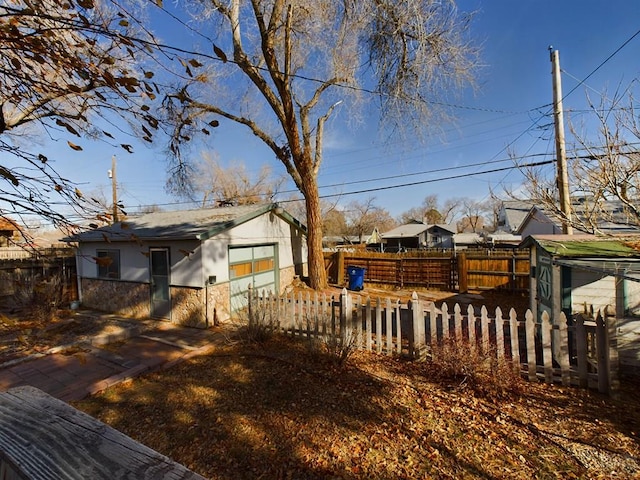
x: 128, y: 299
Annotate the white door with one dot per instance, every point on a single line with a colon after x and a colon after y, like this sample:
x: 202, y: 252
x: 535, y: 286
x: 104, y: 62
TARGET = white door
x: 255, y: 266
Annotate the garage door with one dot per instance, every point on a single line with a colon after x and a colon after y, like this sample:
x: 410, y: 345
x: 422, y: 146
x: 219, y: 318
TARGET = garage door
x: 255, y: 266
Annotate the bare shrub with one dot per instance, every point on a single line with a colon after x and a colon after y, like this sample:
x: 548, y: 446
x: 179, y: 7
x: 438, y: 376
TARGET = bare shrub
x: 254, y: 325
x: 39, y: 297
x: 459, y: 364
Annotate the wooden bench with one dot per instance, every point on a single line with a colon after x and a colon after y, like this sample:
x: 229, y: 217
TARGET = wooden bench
x: 42, y: 437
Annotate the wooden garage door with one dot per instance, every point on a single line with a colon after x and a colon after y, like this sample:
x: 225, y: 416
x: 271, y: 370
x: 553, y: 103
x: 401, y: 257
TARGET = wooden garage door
x: 255, y: 266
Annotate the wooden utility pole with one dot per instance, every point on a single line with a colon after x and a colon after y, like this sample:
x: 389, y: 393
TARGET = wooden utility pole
x: 114, y: 188
x: 561, y: 154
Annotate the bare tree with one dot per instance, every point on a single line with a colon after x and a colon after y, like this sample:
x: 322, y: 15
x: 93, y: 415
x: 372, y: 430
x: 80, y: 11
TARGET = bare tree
x: 233, y: 185
x: 604, y: 170
x: 431, y: 212
x: 363, y: 217
x: 301, y: 60
x: 61, y: 63
x: 475, y: 215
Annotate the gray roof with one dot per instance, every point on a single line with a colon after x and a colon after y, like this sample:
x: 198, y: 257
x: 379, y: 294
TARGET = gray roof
x: 515, y: 212
x: 407, y: 231
x: 414, y: 229
x: 181, y: 224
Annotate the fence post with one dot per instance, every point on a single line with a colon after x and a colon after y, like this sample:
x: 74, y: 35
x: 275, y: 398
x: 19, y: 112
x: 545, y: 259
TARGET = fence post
x: 398, y: 327
x: 417, y: 319
x: 499, y: 334
x: 367, y: 317
x: 614, y: 363
x: 250, y: 305
x: 389, y: 327
x: 602, y: 352
x: 530, y: 332
x: 564, y: 350
x: 581, y: 351
x: 471, y: 322
x: 378, y: 325
x: 462, y: 272
x: 340, y: 268
x: 547, y: 353
x: 345, y: 317
x: 515, y: 341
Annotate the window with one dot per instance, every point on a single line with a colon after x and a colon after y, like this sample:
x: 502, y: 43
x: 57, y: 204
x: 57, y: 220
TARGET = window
x: 108, y: 262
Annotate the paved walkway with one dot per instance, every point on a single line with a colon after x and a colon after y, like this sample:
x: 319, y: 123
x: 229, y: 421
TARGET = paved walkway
x: 90, y: 367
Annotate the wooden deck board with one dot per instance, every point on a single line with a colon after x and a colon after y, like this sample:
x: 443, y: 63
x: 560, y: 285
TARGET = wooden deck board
x: 42, y: 437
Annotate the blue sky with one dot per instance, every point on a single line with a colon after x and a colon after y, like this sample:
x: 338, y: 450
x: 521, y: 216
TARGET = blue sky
x: 514, y: 91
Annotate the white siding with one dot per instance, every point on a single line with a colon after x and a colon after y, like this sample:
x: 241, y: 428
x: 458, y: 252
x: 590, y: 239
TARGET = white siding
x: 134, y: 263
x: 266, y: 229
x: 591, y: 288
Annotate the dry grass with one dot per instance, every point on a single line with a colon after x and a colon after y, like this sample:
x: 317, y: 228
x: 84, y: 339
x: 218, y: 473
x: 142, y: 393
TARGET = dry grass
x: 280, y: 410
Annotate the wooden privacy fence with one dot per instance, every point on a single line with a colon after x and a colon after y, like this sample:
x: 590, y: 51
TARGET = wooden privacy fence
x: 579, y: 352
x: 437, y: 270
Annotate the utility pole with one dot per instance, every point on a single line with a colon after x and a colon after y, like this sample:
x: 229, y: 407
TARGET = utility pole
x: 114, y: 189
x: 561, y: 154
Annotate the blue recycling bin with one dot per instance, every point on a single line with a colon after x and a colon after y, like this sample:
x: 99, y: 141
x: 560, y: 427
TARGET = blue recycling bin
x: 356, y: 278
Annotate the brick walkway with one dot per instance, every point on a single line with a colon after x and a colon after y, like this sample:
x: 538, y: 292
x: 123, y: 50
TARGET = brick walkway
x: 91, y: 369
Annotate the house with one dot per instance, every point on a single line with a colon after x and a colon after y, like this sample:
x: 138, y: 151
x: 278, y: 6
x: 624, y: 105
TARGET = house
x: 512, y: 213
x: 418, y: 235
x: 189, y: 267
x: 526, y: 218
x: 574, y: 273
x: 10, y: 232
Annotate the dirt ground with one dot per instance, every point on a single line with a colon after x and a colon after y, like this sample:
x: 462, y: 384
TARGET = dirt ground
x: 280, y: 410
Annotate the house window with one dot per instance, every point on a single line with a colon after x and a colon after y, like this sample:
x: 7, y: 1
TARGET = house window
x: 108, y: 262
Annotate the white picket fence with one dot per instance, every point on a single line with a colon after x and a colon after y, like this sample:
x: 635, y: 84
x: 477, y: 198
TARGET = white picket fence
x: 580, y: 352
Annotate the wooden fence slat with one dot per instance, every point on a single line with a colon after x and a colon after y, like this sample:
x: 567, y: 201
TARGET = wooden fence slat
x: 368, y: 325
x: 484, y: 328
x: 547, y: 358
x: 398, y: 327
x: 602, y: 347
x: 499, y: 324
x: 530, y: 335
x: 417, y: 317
x: 563, y: 339
x: 515, y: 340
x: 471, y: 322
x: 457, y: 322
x: 389, y: 326
x: 433, y: 324
x: 378, y: 326
x: 581, y: 350
x: 445, y: 320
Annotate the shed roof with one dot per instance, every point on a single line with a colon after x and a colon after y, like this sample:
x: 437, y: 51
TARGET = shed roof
x: 628, y: 269
x: 577, y: 246
x: 198, y: 224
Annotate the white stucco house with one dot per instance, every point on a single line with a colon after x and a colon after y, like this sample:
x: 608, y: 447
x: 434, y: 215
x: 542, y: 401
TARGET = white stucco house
x: 191, y: 267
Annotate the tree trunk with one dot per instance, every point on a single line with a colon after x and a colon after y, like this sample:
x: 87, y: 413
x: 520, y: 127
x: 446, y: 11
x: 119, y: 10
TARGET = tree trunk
x: 317, y: 272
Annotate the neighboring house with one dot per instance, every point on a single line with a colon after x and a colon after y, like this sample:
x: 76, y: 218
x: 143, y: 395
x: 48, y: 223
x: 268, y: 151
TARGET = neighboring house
x: 525, y: 218
x: 10, y: 232
x: 462, y: 241
x: 418, y: 235
x: 512, y: 213
x: 190, y: 267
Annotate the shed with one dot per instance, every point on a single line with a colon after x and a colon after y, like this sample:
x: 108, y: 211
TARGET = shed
x: 574, y: 273
x: 191, y: 267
